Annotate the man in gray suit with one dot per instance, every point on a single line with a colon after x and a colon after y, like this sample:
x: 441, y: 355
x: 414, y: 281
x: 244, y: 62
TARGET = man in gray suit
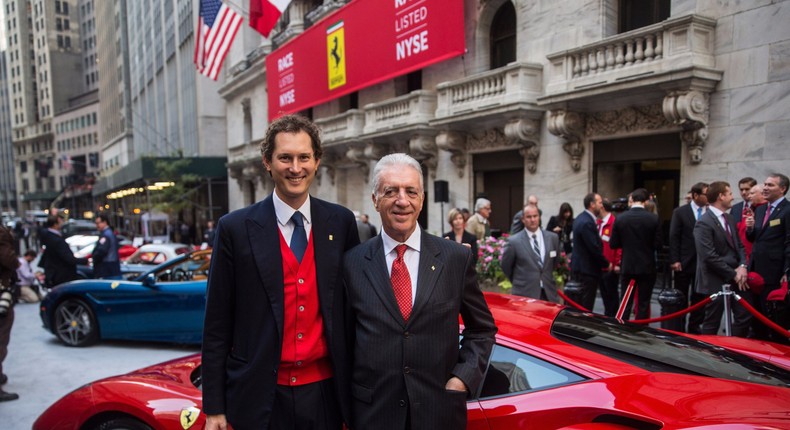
x: 720, y: 260
x: 405, y: 290
x: 530, y: 258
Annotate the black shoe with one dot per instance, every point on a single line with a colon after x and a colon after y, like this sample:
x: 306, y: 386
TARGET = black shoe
x: 4, y: 397
x: 3, y: 378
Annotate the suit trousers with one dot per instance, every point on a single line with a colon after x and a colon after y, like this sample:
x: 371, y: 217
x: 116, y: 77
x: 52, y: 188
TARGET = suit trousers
x: 609, y: 294
x: 643, y: 289
x: 306, y: 407
x: 741, y: 318
x: 589, y: 285
x: 684, y: 281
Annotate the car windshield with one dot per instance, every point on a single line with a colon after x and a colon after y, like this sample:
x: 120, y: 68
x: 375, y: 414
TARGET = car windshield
x: 661, y: 351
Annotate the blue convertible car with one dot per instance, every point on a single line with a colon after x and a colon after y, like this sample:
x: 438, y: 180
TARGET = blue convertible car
x: 163, y: 304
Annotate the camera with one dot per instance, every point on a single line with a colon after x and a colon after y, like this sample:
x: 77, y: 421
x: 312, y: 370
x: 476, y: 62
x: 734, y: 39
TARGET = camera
x: 6, y: 301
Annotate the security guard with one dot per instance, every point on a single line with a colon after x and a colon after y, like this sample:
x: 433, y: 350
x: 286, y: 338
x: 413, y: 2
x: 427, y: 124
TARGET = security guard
x: 106, y: 263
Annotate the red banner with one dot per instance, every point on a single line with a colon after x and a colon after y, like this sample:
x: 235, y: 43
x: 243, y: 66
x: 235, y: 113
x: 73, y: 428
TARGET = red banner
x: 361, y: 44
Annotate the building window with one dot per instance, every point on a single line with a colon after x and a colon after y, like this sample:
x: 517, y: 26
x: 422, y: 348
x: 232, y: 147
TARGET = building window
x: 641, y: 13
x: 503, y: 36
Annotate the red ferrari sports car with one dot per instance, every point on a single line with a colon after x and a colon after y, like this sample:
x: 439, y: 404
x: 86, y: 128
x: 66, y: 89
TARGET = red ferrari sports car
x: 552, y: 368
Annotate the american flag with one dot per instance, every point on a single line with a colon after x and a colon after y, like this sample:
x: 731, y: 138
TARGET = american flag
x: 217, y: 27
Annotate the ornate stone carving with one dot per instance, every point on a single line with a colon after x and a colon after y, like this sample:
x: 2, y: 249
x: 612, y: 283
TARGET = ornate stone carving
x: 526, y: 133
x: 488, y: 139
x: 569, y: 126
x: 630, y: 119
x: 690, y: 110
x: 357, y: 155
x: 374, y: 151
x: 423, y: 148
x: 454, y: 143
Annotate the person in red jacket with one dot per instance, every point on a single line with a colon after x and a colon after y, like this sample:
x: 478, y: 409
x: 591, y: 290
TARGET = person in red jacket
x: 611, y: 275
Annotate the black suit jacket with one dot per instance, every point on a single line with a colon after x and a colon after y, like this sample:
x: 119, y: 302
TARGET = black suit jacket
x: 58, y: 262
x: 737, y: 212
x: 397, y: 363
x: 638, y: 233
x: 588, y: 257
x: 681, y: 238
x: 771, y: 251
x: 717, y: 256
x: 242, y: 337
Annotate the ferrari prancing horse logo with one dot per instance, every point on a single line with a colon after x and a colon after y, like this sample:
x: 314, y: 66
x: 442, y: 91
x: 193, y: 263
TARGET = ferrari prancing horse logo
x: 189, y: 416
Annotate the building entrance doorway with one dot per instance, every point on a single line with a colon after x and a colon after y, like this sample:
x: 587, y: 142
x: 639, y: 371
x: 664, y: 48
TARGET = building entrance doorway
x: 499, y: 177
x: 650, y: 162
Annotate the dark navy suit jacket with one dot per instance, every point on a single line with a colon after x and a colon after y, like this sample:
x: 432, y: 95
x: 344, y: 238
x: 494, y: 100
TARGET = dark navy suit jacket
x: 242, y: 337
x: 587, y: 258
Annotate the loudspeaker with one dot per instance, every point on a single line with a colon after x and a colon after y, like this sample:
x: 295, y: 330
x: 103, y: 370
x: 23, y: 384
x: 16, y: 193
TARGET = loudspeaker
x: 441, y: 193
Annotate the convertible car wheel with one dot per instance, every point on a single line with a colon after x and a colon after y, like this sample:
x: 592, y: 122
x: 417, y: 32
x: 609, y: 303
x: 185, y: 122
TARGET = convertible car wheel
x: 75, y: 324
x: 122, y: 424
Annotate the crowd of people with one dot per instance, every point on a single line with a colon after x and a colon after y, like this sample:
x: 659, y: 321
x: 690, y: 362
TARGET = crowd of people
x: 712, y: 242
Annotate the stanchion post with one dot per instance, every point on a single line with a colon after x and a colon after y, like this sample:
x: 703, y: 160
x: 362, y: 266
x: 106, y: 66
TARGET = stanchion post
x: 727, y: 316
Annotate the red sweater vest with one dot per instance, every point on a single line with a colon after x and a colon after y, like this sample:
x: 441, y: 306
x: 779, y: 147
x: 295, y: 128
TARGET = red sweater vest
x: 305, y: 355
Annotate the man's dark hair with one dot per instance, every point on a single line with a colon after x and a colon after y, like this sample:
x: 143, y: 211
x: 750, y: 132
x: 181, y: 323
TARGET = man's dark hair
x: 291, y: 124
x: 52, y: 220
x: 783, y: 180
x: 716, y: 188
x: 31, y: 253
x: 698, y: 188
x: 589, y: 199
x: 103, y: 217
x: 747, y: 180
x: 640, y: 195
x: 607, y: 205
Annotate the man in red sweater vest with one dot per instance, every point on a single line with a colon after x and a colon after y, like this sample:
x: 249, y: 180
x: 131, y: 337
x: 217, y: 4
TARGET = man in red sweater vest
x: 274, y: 344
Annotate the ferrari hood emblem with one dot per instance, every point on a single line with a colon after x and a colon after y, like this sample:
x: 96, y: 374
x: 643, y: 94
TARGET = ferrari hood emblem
x: 189, y: 416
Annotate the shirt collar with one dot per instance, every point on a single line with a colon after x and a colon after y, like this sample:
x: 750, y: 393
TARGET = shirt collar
x: 605, y: 219
x: 637, y: 205
x: 285, y: 212
x: 591, y: 214
x: 412, y: 242
x: 694, y: 206
x: 715, y: 211
x: 776, y: 202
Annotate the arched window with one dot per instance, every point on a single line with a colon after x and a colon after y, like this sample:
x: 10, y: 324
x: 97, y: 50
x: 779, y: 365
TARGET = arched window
x: 503, y: 36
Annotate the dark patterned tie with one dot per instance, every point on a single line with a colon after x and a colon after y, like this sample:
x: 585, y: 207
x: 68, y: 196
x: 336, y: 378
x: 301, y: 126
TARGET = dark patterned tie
x: 401, y: 282
x: 727, y: 229
x: 299, y: 237
x: 536, y: 248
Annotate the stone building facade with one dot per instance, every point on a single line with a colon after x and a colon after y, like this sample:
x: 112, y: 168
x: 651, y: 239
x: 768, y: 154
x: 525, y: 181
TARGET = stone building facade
x: 552, y: 98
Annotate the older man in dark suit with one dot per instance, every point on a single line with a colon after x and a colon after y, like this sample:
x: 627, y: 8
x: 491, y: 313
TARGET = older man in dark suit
x: 274, y: 340
x: 683, y: 250
x: 638, y: 233
x: 588, y: 260
x: 405, y: 290
x: 720, y: 260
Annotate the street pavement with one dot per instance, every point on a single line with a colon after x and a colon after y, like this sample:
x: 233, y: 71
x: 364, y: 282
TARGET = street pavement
x: 41, y: 369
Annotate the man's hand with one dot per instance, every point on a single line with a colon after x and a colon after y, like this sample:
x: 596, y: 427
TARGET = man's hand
x: 749, y: 220
x: 676, y: 266
x: 454, y: 384
x: 216, y: 422
x: 740, y: 277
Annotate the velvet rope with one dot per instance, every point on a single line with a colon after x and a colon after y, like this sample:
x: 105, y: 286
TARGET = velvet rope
x: 776, y: 327
x: 692, y: 308
x: 571, y: 302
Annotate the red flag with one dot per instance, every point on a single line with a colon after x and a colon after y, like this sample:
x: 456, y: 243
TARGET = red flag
x: 265, y: 13
x: 217, y: 27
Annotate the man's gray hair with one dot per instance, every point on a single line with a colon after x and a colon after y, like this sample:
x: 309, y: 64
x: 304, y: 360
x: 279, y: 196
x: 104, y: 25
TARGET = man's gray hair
x: 481, y: 203
x: 395, y: 160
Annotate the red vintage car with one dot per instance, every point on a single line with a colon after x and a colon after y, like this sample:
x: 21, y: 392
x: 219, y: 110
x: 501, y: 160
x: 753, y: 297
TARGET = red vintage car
x: 552, y: 368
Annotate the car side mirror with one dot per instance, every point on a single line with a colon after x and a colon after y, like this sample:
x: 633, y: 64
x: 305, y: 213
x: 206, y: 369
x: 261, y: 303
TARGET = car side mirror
x: 150, y: 280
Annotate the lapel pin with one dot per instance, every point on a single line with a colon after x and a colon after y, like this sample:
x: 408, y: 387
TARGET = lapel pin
x: 331, y: 237
x: 433, y: 267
